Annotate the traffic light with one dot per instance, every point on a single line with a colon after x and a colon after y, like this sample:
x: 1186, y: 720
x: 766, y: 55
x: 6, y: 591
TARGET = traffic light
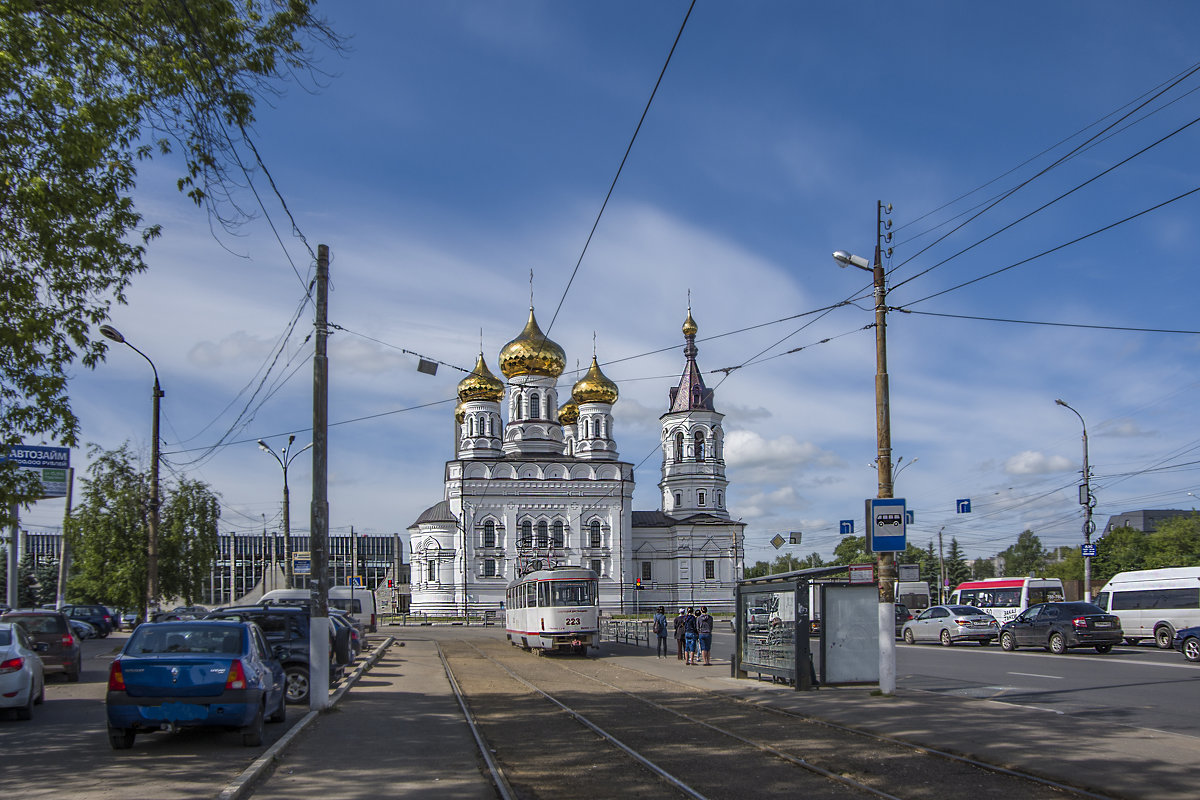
x: 638, y: 583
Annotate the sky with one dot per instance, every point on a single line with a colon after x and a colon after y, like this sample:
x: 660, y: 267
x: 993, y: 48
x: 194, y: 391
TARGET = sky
x: 458, y: 146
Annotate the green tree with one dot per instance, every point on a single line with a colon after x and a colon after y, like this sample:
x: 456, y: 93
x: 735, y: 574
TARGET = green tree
x: 1026, y: 556
x: 957, y: 570
x: 187, y: 540
x: 27, y: 594
x: 761, y: 569
x: 1067, y: 564
x: 983, y: 568
x: 1119, y: 550
x: 87, y: 90
x: 852, y: 550
x: 45, y: 575
x: 1176, y: 543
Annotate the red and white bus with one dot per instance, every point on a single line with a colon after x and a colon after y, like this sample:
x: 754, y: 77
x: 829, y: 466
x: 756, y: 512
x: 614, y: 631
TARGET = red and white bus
x: 1004, y: 598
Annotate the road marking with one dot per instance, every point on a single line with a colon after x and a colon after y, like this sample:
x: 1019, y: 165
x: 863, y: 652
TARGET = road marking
x: 1036, y: 675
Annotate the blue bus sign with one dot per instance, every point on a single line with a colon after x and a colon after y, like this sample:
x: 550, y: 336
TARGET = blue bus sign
x: 886, y: 531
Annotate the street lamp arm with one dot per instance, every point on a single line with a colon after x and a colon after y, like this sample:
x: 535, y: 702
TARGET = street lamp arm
x: 292, y: 457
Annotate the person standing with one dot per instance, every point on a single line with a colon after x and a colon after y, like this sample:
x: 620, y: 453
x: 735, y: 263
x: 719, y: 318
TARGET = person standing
x: 660, y: 630
x: 679, y: 633
x: 689, y: 637
x: 704, y: 630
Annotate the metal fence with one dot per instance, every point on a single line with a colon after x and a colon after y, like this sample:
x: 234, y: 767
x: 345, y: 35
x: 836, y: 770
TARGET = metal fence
x: 627, y: 631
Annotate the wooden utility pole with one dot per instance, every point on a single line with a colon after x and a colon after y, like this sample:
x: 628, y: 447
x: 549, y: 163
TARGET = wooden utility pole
x: 318, y: 644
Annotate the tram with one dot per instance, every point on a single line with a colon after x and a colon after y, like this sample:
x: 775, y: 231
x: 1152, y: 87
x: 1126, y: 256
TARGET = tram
x: 554, y: 609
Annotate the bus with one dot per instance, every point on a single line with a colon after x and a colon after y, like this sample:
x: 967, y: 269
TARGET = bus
x: 1153, y: 603
x: 1004, y: 598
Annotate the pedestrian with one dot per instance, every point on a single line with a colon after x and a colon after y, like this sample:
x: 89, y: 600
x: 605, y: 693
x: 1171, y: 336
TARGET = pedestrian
x: 689, y: 637
x: 660, y: 630
x: 704, y: 629
x: 679, y: 633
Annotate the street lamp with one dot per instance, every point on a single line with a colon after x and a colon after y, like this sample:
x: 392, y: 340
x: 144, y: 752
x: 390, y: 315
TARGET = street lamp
x: 1088, y: 502
x: 284, y: 463
x: 883, y: 430
x: 109, y: 332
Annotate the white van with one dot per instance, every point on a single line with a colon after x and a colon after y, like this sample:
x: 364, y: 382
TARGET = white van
x: 913, y: 594
x: 1153, y: 603
x: 359, y: 603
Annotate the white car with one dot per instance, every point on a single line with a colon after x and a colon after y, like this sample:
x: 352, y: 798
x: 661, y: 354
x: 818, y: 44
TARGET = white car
x: 22, y: 680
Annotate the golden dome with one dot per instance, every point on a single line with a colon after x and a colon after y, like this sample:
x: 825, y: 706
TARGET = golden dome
x: 481, y: 384
x: 569, y: 413
x: 459, y: 413
x: 689, y: 325
x: 532, y: 353
x: 594, y: 387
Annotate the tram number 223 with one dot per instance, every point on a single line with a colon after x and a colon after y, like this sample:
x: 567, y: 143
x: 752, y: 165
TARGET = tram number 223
x: 571, y: 621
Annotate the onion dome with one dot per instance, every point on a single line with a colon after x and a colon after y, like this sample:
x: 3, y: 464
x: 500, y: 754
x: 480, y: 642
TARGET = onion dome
x: 594, y: 387
x: 689, y: 325
x: 481, y: 384
x: 532, y: 353
x: 460, y: 413
x: 569, y: 413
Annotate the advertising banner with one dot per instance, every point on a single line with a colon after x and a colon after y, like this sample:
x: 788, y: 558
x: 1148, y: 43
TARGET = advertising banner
x: 49, y: 464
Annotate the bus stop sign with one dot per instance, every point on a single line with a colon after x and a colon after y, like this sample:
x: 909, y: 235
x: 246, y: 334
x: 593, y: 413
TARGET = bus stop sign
x: 886, y: 531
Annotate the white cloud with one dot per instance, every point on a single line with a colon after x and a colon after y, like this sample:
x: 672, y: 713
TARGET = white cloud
x: 1032, y: 462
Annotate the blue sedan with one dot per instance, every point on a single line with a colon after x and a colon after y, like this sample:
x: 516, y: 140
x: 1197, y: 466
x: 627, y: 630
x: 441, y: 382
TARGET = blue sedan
x: 1187, y: 641
x: 197, y: 673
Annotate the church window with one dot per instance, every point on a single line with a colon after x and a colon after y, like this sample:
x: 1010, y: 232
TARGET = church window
x: 526, y: 534
x: 678, y: 499
x: 543, y: 539
x: 558, y: 533
x: 535, y: 410
x: 699, y: 445
x: 678, y: 453
x: 646, y: 570
x: 489, y: 534
x: 720, y: 499
x: 431, y: 569
x: 700, y: 497
x: 596, y: 564
x: 489, y: 568
x: 594, y: 532
x: 710, y: 570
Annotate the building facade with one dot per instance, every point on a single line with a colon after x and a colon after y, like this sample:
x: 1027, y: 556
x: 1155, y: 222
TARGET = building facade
x: 539, y: 483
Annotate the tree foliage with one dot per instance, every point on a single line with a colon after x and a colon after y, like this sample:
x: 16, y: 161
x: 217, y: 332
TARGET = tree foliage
x: 87, y: 90
x: 1026, y: 556
x: 852, y: 550
x: 983, y: 568
x: 957, y: 570
x: 108, y: 533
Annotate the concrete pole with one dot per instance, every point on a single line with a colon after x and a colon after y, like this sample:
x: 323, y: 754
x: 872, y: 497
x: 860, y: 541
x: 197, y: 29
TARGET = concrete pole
x: 318, y: 643
x: 883, y: 428
x: 64, y: 554
x: 152, y: 545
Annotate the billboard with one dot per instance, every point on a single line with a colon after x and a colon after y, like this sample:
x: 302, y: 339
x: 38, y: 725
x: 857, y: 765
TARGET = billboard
x: 49, y: 464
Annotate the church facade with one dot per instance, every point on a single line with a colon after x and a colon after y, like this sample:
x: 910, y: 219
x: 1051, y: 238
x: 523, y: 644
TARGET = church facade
x: 537, y: 483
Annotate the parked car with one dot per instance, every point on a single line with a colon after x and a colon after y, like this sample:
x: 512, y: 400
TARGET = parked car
x: 129, y: 619
x: 903, y: 615
x: 757, y: 619
x: 82, y: 629
x: 22, y: 677
x: 286, y: 629
x: 196, y: 612
x: 96, y: 616
x: 950, y: 624
x: 195, y: 673
x: 116, y: 617
x: 1061, y: 626
x: 52, y: 628
x: 1187, y: 641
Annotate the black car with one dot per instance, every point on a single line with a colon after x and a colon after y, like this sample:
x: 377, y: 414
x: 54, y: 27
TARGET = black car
x: 286, y: 629
x: 903, y: 615
x: 98, y: 617
x: 53, y: 629
x: 1061, y: 626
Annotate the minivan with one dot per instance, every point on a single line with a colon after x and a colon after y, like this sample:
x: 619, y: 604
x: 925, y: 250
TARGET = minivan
x: 361, y: 605
x: 1153, y: 603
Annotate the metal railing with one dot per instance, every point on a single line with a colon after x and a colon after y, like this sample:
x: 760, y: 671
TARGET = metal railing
x: 627, y: 631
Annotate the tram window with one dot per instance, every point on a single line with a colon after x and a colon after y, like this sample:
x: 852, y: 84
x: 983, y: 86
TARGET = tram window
x: 572, y: 594
x: 530, y: 595
x: 543, y: 594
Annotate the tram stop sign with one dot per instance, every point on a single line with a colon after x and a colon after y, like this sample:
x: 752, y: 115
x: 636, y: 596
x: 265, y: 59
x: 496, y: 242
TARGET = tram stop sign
x: 886, y: 530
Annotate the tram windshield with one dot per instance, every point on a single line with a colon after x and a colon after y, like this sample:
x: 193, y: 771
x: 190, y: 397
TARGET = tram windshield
x: 572, y: 593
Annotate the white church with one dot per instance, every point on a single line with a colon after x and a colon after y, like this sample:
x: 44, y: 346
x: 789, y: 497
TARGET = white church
x: 542, y: 484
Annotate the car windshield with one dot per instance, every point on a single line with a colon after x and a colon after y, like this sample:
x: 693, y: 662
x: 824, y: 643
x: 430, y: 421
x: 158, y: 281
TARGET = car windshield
x: 967, y: 610
x: 38, y: 623
x: 213, y: 639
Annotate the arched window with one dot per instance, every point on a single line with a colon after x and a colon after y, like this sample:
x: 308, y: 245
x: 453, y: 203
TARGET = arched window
x: 699, y: 445
x: 489, y: 534
x: 535, y: 408
x: 431, y: 570
x: 678, y: 452
x: 526, y: 534
x: 678, y: 499
x: 719, y: 499
x: 700, y: 497
x: 470, y: 426
x: 558, y: 533
x: 594, y: 533
x: 543, y: 539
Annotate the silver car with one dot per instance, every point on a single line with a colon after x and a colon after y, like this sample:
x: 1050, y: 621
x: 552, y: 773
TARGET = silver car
x: 950, y: 624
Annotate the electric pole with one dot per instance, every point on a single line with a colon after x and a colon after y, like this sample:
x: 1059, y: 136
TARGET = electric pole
x: 318, y: 641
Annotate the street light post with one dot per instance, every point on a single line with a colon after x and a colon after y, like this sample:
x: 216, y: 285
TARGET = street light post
x: 284, y: 463
x: 883, y: 462
x: 1088, y: 502
x: 109, y: 332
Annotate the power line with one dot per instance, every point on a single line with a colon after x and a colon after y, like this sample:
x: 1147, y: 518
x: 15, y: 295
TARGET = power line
x: 1052, y: 324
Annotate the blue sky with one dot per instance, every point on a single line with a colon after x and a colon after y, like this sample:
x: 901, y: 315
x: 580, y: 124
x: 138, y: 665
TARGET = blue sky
x: 459, y: 145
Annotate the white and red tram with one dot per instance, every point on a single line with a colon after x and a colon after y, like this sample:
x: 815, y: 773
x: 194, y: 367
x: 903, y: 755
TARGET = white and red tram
x: 554, y: 609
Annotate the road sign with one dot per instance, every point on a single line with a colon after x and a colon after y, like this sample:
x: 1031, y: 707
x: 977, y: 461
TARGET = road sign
x: 885, y: 524
x: 356, y: 581
x: 778, y: 541
x: 846, y: 526
x: 862, y: 573
x: 301, y: 563
x: 794, y: 537
x: 1088, y: 550
x: 963, y: 506
x: 909, y: 517
x: 908, y: 572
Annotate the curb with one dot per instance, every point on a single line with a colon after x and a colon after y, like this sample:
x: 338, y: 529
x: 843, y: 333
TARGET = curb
x: 240, y: 787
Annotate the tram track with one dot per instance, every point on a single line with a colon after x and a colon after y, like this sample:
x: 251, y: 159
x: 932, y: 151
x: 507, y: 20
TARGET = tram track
x: 646, y: 736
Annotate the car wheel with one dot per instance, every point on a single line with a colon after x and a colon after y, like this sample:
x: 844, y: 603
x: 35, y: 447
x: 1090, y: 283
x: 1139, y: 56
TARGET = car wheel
x: 1008, y: 642
x: 984, y: 642
x: 1058, y: 645
x: 1191, y: 649
x: 73, y: 672
x: 280, y: 714
x: 1104, y: 648
x: 296, y: 684
x: 1163, y: 636
x: 25, y: 712
x: 946, y: 640
x: 1131, y: 640
x: 252, y: 734
x: 41, y: 696
x: 121, y: 738
x: 909, y: 638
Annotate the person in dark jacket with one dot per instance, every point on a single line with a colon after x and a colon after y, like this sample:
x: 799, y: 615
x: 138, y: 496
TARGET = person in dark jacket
x: 689, y: 637
x: 660, y: 630
x: 679, y: 632
x: 704, y: 630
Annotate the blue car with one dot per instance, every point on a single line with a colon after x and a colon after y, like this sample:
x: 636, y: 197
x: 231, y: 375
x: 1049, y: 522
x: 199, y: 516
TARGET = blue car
x: 1187, y: 641
x: 195, y: 673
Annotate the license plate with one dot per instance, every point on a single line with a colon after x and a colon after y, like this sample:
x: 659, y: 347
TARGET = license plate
x: 175, y: 712
x: 1103, y: 624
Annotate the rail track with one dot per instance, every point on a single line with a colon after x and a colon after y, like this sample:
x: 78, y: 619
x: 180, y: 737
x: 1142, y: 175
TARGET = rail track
x: 568, y: 727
